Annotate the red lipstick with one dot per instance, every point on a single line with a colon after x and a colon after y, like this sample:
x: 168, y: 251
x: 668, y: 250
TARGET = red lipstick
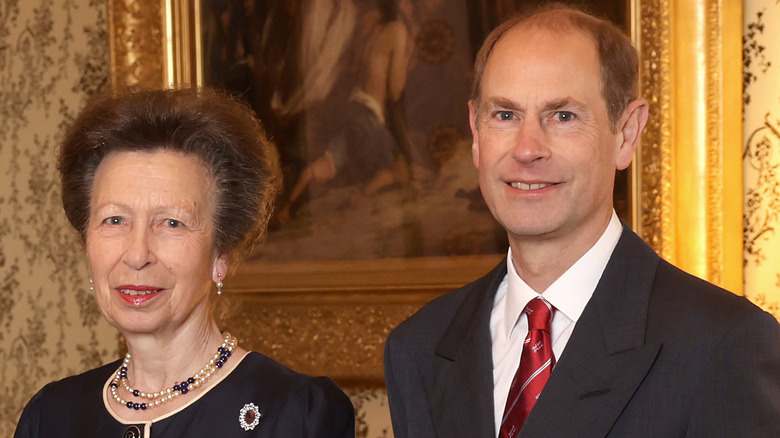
x: 137, y: 295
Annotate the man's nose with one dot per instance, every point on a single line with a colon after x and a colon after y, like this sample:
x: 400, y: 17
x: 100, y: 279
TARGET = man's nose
x: 530, y: 142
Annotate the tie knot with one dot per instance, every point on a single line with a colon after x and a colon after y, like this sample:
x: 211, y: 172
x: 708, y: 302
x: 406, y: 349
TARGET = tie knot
x: 539, y: 314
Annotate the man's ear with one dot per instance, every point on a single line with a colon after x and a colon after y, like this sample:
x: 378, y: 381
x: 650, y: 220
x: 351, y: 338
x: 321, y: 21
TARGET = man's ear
x: 632, y: 123
x: 474, y: 133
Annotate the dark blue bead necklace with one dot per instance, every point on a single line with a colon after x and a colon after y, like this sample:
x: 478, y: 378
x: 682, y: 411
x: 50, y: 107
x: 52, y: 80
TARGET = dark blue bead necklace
x: 185, y: 386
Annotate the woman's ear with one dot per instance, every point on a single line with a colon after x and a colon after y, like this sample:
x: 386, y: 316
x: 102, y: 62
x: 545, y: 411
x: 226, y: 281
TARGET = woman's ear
x: 220, y: 269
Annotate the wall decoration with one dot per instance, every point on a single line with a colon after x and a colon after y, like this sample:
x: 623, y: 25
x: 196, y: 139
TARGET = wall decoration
x: 761, y: 154
x: 53, y: 55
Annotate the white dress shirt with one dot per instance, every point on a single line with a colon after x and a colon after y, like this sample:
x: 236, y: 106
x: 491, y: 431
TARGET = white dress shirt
x: 568, y: 294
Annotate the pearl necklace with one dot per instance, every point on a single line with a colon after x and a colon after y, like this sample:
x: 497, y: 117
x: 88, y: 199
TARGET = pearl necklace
x: 158, y: 398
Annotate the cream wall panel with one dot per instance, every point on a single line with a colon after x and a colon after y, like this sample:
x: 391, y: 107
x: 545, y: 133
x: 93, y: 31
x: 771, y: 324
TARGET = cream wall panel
x: 761, y: 154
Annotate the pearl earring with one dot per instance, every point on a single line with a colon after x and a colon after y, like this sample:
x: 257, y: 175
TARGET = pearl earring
x: 91, y: 286
x: 219, y: 284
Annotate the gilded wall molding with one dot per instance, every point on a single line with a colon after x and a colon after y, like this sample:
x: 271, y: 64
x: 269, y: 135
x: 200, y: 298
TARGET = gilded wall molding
x: 729, y: 244
x: 687, y: 139
x: 136, y: 43
x: 706, y: 131
x: 653, y: 161
x: 688, y: 180
x: 340, y: 335
x: 714, y: 79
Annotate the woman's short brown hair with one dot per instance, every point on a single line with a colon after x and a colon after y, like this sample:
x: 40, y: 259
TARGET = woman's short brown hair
x: 219, y: 129
x: 617, y: 55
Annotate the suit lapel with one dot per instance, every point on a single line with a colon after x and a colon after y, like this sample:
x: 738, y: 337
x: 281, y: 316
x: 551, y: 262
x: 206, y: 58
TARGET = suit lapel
x: 606, y: 357
x: 462, y: 387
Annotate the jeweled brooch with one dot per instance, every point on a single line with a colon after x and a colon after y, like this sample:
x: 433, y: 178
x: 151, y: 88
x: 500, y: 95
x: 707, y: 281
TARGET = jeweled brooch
x: 249, y: 417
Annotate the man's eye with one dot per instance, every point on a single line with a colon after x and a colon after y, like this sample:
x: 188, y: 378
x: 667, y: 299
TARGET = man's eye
x: 505, y: 115
x: 564, y: 116
x: 114, y: 220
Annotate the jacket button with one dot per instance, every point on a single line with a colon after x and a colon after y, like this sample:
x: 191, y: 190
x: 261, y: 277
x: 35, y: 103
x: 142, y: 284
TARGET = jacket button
x: 132, y: 432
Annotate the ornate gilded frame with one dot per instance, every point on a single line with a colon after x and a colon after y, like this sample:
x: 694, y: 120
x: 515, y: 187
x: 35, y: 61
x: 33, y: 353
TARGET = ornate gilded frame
x: 333, y: 318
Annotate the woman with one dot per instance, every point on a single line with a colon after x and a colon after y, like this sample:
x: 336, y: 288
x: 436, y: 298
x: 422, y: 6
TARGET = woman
x: 169, y: 190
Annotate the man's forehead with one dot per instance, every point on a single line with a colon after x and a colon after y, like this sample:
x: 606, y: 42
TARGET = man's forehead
x: 536, y: 33
x: 521, y: 49
x: 540, y: 68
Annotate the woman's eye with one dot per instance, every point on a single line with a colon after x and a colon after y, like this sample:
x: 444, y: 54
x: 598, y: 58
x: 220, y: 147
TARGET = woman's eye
x: 114, y: 220
x: 172, y: 223
x: 564, y: 116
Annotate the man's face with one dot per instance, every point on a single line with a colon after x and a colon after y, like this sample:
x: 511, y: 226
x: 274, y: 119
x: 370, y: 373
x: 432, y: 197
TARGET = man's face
x: 542, y: 138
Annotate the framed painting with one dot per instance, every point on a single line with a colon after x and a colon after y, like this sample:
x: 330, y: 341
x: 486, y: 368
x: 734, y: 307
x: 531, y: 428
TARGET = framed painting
x: 366, y: 103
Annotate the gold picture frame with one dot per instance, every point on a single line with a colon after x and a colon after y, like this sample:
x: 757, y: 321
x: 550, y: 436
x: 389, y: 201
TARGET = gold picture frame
x: 331, y: 317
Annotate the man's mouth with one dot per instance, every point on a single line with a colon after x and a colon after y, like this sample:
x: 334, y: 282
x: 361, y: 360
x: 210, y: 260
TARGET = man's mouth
x: 524, y: 186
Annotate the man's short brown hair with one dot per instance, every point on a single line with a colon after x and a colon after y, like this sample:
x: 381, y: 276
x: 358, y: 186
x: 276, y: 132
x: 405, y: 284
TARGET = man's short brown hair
x: 618, y: 57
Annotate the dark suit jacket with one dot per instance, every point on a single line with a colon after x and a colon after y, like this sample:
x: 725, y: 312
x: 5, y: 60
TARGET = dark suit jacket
x: 655, y: 353
x: 292, y: 405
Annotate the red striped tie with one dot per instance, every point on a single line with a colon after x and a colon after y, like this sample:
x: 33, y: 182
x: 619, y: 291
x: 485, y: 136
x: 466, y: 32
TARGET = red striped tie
x: 536, y: 363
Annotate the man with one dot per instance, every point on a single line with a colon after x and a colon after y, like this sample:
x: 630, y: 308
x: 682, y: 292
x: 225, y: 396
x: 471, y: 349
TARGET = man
x: 637, y: 348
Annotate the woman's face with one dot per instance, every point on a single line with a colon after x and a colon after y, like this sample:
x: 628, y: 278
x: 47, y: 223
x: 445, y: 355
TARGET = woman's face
x: 150, y: 241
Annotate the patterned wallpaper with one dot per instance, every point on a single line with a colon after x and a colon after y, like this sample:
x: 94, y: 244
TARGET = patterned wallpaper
x: 761, y: 153
x: 53, y: 54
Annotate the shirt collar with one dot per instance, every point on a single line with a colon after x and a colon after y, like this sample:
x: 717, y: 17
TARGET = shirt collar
x: 572, y: 290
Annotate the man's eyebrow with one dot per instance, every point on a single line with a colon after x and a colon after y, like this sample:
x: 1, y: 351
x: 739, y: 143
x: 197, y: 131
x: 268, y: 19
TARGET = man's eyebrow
x: 501, y: 102
x: 564, y: 102
x: 552, y: 105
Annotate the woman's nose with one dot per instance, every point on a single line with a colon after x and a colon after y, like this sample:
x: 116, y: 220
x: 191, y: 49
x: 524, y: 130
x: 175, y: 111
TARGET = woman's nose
x: 138, y: 252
